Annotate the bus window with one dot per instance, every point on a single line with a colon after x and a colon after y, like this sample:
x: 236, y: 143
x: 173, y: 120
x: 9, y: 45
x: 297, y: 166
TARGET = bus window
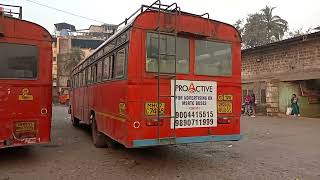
x: 99, y: 70
x: 167, y: 51
x: 83, y: 78
x: 213, y: 58
x: 94, y: 73
x: 120, y: 63
x: 106, y: 68
x: 89, y: 75
x: 18, y: 61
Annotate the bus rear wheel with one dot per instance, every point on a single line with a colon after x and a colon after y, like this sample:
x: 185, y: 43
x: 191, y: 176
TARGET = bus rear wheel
x: 98, y: 138
x: 75, y: 122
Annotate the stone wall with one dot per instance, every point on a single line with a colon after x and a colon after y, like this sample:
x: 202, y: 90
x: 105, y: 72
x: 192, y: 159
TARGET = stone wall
x: 283, y: 62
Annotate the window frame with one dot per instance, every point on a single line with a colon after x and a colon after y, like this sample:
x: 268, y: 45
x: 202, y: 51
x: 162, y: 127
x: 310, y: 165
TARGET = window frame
x: 115, y: 60
x: 265, y: 96
x: 167, y: 34
x: 38, y: 63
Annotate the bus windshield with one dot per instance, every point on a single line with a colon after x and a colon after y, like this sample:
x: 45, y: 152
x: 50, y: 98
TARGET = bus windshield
x: 18, y: 61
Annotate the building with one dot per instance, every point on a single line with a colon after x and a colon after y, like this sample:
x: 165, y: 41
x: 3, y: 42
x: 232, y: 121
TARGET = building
x: 103, y: 31
x: 275, y: 71
x: 61, y: 48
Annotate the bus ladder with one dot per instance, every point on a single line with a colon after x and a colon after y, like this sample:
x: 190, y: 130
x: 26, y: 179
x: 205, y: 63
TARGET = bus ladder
x: 167, y: 10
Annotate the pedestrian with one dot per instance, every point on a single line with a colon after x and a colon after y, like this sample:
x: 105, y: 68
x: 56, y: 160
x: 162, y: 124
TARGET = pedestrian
x: 247, y: 105
x: 253, y: 104
x: 295, y: 105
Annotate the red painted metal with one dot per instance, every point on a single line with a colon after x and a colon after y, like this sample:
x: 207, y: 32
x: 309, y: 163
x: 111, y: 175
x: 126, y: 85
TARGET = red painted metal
x: 103, y: 98
x: 38, y: 110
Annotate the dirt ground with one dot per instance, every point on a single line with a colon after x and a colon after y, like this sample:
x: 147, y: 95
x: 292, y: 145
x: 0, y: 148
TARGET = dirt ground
x: 272, y: 148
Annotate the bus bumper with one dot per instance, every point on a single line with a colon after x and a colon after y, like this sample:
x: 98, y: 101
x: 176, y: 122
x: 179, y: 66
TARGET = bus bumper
x: 185, y: 140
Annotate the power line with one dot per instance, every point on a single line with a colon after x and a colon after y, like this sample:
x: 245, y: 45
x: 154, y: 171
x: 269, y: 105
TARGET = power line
x: 64, y: 11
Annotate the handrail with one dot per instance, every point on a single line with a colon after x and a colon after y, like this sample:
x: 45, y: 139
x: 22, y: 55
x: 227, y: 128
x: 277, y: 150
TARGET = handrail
x: 157, y: 6
x: 205, y: 14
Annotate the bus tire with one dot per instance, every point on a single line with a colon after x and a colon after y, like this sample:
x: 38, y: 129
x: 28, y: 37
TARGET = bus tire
x: 98, y: 138
x: 75, y: 121
x: 112, y: 143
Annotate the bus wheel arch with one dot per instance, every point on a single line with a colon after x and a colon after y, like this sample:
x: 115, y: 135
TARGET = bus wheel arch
x: 75, y: 121
x: 99, y: 139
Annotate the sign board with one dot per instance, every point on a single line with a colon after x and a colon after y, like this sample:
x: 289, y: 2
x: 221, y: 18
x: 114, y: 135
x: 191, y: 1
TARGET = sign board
x: 196, y: 104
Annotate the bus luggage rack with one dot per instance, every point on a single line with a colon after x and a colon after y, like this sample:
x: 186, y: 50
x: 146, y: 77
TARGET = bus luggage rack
x: 11, y: 11
x: 156, y: 6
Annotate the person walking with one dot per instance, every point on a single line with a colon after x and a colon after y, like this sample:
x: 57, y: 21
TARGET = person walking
x: 247, y: 109
x: 295, y: 106
x: 253, y: 104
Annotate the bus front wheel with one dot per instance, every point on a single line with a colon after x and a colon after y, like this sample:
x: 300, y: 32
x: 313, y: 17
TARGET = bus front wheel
x: 98, y: 138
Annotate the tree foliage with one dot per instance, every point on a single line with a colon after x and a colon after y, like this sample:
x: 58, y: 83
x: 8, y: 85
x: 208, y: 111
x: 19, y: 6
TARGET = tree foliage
x: 70, y: 60
x: 299, y: 32
x: 261, y: 28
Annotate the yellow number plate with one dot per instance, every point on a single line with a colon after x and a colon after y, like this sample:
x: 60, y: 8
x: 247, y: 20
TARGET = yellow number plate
x: 25, y: 126
x: 151, y: 109
x: 224, y: 107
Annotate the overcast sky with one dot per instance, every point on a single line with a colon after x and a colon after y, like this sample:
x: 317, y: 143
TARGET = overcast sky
x: 304, y: 14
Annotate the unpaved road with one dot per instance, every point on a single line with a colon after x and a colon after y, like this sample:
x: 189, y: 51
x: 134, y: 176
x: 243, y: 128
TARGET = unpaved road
x: 272, y: 148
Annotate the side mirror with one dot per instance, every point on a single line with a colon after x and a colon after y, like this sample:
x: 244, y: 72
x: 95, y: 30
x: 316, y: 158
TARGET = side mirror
x: 68, y: 83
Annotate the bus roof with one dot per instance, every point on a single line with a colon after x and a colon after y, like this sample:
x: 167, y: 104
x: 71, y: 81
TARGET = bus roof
x: 134, y: 16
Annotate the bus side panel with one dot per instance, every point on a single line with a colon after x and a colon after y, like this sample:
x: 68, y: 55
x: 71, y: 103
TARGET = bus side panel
x: 106, y: 102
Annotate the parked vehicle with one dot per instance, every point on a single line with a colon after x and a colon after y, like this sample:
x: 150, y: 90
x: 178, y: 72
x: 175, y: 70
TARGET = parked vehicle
x: 64, y: 97
x: 165, y: 77
x: 25, y: 88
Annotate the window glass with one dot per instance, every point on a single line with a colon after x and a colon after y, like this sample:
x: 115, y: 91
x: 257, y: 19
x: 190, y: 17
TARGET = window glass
x: 84, y: 78
x: 18, y: 61
x: 89, y: 80
x: 99, y: 70
x: 76, y: 80
x: 94, y: 73
x: 263, y: 98
x: 106, y: 68
x: 80, y: 77
x: 213, y: 58
x: 120, y: 63
x: 167, y: 51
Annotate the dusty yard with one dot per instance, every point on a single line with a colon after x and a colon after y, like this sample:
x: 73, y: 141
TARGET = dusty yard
x: 272, y: 148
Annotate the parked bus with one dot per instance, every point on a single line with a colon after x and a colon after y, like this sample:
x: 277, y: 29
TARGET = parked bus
x: 25, y: 80
x: 165, y: 77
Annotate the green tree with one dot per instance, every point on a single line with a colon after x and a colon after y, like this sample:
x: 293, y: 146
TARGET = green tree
x: 71, y: 59
x: 262, y: 28
x: 299, y: 32
x: 275, y: 26
x: 254, y: 31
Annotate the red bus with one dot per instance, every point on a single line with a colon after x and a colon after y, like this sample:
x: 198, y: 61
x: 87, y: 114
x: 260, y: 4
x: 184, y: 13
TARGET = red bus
x: 165, y: 77
x: 25, y: 80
